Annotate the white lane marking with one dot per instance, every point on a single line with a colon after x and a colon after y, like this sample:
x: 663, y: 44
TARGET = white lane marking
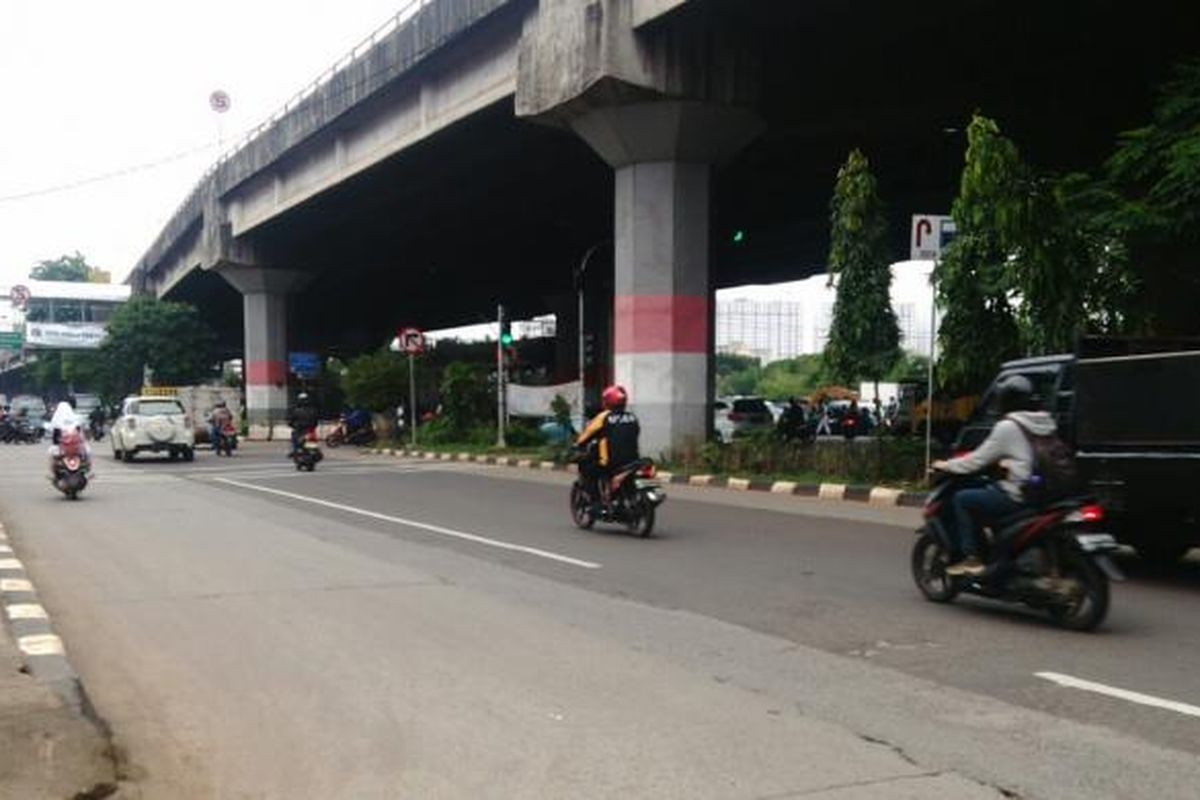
x: 25, y: 611
x: 1123, y: 694
x: 15, y: 585
x: 5, y: 549
x: 42, y: 644
x: 469, y: 537
x: 11, y: 563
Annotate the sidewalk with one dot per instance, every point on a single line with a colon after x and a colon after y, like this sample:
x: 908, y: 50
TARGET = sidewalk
x: 47, y: 750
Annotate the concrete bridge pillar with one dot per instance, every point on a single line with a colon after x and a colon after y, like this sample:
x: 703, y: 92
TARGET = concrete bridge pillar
x: 663, y: 307
x: 264, y: 302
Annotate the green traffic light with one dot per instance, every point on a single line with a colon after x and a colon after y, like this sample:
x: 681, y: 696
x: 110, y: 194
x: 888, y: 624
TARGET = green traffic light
x: 506, y: 339
x: 739, y: 236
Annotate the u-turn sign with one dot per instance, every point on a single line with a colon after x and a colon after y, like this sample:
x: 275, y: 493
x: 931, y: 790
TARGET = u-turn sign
x: 930, y: 235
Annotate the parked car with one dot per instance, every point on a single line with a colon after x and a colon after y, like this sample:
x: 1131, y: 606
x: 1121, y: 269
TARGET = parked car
x: 34, y: 407
x: 153, y: 424
x: 740, y: 415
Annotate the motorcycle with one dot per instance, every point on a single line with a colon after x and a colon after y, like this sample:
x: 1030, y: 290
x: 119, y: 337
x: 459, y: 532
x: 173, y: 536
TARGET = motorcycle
x: 308, y: 453
x: 361, y: 436
x: 633, y: 497
x: 96, y: 429
x: 1057, y: 560
x: 71, y: 465
x: 226, y: 441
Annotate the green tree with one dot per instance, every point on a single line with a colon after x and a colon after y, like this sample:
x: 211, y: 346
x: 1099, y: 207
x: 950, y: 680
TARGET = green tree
x: 1155, y: 175
x: 69, y: 268
x: 466, y: 397
x: 979, y: 327
x: 864, y: 340
x: 791, y: 377
x: 169, y: 338
x: 1034, y: 264
x: 737, y: 374
x: 377, y: 381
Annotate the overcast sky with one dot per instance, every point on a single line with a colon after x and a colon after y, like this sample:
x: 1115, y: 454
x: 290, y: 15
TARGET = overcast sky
x: 92, y: 88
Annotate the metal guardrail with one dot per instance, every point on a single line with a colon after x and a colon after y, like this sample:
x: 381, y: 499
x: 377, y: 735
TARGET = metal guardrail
x: 406, y: 13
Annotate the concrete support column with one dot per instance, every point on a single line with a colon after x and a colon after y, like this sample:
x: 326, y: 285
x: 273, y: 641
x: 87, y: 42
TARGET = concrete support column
x: 663, y: 310
x: 265, y: 366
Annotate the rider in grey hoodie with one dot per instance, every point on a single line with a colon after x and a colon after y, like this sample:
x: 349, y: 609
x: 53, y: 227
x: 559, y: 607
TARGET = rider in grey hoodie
x: 1009, y: 446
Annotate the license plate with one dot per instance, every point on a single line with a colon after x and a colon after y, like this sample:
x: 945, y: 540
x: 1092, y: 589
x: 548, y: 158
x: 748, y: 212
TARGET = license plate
x: 647, y: 484
x: 1096, y: 542
x: 311, y: 446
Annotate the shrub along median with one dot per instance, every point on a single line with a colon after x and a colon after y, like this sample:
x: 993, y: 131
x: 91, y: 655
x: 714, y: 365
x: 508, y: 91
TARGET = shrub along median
x: 894, y: 462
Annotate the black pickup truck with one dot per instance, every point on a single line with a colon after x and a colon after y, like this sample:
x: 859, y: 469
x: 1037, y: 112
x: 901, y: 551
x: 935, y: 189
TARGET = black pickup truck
x: 1131, y: 410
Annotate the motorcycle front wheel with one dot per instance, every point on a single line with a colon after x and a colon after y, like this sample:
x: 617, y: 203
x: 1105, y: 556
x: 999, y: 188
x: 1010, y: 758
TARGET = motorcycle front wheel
x: 929, y: 562
x: 581, y: 507
x: 643, y: 520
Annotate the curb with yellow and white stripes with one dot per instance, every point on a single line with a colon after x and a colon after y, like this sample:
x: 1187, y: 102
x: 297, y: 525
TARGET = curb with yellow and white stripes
x: 42, y: 651
x: 872, y: 495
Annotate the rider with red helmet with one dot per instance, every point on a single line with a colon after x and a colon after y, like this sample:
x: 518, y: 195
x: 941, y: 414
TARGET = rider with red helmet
x: 611, y: 437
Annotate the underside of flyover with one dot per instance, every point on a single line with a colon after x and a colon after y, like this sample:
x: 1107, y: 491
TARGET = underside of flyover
x: 497, y: 209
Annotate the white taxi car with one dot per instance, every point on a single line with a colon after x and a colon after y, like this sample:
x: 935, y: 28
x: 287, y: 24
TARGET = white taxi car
x: 153, y: 424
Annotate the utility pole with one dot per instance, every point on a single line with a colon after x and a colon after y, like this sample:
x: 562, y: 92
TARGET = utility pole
x: 501, y: 379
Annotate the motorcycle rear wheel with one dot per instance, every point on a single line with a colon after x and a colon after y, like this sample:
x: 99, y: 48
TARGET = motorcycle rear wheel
x: 1086, y: 612
x: 929, y: 562
x: 581, y: 508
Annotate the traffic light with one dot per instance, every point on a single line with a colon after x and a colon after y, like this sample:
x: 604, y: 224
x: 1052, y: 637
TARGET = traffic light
x: 506, y: 337
x: 589, y: 349
x: 739, y: 236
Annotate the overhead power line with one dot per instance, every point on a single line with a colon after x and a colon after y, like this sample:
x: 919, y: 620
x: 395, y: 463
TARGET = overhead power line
x: 107, y: 176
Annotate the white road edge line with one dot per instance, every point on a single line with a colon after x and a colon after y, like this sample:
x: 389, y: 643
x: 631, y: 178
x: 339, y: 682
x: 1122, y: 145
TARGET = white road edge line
x: 469, y: 537
x: 1123, y: 694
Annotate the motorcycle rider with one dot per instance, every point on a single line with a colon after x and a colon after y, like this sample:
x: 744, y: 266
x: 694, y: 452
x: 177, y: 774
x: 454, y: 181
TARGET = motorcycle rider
x: 793, y: 422
x: 65, y: 420
x: 613, y: 436
x: 301, y: 417
x: 1009, y: 447
x: 220, y: 417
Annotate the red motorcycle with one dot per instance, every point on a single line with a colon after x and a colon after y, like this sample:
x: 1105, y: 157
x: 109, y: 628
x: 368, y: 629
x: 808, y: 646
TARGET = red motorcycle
x: 227, y: 440
x: 71, y: 465
x: 1054, y: 558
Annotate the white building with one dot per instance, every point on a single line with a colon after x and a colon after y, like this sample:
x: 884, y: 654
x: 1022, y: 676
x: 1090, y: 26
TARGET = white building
x: 785, y: 320
x: 58, y: 314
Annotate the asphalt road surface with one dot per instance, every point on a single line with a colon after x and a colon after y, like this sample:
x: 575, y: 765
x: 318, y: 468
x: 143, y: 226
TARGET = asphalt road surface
x: 389, y: 628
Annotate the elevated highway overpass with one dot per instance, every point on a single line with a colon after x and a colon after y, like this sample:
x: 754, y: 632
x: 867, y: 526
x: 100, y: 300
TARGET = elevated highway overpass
x: 470, y: 154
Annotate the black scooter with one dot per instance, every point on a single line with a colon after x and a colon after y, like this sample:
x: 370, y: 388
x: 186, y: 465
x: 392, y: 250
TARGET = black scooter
x: 1054, y: 559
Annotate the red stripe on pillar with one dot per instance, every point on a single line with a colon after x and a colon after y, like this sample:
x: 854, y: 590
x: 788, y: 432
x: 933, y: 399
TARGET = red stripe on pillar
x: 266, y: 373
x: 661, y: 324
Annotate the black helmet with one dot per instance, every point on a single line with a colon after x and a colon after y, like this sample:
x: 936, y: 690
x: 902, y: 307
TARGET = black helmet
x: 1014, y: 393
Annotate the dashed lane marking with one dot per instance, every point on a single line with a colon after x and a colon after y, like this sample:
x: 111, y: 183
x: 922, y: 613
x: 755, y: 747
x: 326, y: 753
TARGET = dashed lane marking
x: 11, y: 563
x: 410, y: 523
x: 1122, y: 694
x: 15, y: 585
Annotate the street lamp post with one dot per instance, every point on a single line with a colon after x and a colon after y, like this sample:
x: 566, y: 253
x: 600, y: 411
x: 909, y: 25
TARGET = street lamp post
x: 579, y: 276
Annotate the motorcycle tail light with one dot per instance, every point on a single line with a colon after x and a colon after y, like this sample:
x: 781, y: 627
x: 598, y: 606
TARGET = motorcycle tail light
x: 311, y: 436
x: 1088, y: 513
x: 647, y: 471
x: 931, y: 509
